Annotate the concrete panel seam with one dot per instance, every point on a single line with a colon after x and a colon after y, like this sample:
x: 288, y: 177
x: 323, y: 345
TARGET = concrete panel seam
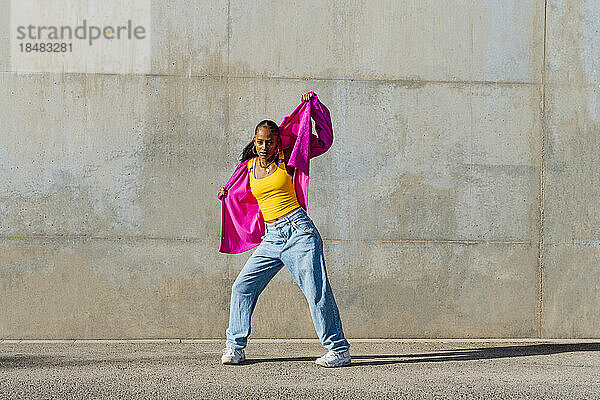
x: 108, y: 74
x: 130, y: 238
x: 408, y: 82
x: 457, y: 241
x: 228, y: 115
x: 542, y: 177
x: 199, y: 240
x: 401, y: 82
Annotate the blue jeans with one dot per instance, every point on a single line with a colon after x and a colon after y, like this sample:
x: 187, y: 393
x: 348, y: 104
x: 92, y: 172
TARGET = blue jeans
x: 292, y: 241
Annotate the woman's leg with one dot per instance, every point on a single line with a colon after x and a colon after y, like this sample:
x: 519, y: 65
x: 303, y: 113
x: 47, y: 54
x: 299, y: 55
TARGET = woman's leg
x: 303, y: 256
x: 260, y: 268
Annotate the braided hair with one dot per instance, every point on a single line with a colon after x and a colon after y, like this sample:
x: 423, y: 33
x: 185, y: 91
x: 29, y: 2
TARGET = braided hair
x: 248, y: 151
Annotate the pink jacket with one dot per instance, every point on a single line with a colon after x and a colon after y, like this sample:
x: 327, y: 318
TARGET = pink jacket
x: 242, y: 223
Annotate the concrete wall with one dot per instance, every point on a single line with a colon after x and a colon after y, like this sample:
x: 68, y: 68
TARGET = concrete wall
x: 460, y: 197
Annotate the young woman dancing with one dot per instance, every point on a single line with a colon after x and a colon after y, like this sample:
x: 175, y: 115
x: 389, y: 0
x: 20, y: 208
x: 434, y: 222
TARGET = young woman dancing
x: 264, y: 205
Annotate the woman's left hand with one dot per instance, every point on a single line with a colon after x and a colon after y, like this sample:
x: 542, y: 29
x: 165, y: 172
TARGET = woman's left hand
x: 307, y: 96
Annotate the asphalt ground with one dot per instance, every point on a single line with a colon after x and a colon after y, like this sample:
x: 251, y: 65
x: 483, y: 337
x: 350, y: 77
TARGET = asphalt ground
x: 282, y: 369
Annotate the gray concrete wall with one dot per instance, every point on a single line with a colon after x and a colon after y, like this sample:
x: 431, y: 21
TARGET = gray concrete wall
x: 460, y: 197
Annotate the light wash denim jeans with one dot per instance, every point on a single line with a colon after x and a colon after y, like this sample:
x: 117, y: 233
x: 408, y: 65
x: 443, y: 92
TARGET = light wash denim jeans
x: 292, y: 241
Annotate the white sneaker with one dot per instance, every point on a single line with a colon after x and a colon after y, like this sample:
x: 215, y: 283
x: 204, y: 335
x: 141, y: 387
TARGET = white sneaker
x: 333, y: 359
x: 232, y: 356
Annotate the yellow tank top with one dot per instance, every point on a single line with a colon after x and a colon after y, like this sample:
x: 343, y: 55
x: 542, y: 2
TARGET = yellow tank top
x: 275, y: 193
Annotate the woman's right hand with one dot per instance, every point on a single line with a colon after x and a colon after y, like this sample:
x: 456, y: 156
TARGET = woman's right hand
x: 307, y: 96
x: 222, y: 192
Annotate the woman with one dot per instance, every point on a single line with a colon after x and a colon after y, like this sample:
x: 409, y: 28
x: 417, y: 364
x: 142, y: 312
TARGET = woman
x: 273, y: 178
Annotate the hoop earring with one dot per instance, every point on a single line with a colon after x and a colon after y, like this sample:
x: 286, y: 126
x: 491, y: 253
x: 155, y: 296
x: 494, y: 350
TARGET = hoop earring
x: 254, y: 150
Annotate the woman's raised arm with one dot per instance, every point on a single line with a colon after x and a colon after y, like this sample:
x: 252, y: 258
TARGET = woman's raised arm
x: 320, y: 114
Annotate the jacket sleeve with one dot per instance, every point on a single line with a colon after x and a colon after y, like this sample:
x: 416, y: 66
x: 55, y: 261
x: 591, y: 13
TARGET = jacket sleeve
x: 320, y: 114
x: 242, y: 225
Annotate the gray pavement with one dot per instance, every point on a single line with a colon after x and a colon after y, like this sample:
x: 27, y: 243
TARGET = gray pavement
x: 285, y: 370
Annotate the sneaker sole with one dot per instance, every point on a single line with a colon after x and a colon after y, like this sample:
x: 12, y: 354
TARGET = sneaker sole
x: 231, y: 362
x: 343, y: 363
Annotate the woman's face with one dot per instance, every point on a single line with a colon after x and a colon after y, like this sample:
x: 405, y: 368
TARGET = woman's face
x: 265, y: 143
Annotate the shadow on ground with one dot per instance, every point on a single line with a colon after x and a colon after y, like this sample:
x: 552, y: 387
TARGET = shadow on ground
x: 483, y: 353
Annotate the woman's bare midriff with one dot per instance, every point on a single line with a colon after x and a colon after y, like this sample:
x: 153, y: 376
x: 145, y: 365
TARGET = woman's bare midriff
x: 277, y: 219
